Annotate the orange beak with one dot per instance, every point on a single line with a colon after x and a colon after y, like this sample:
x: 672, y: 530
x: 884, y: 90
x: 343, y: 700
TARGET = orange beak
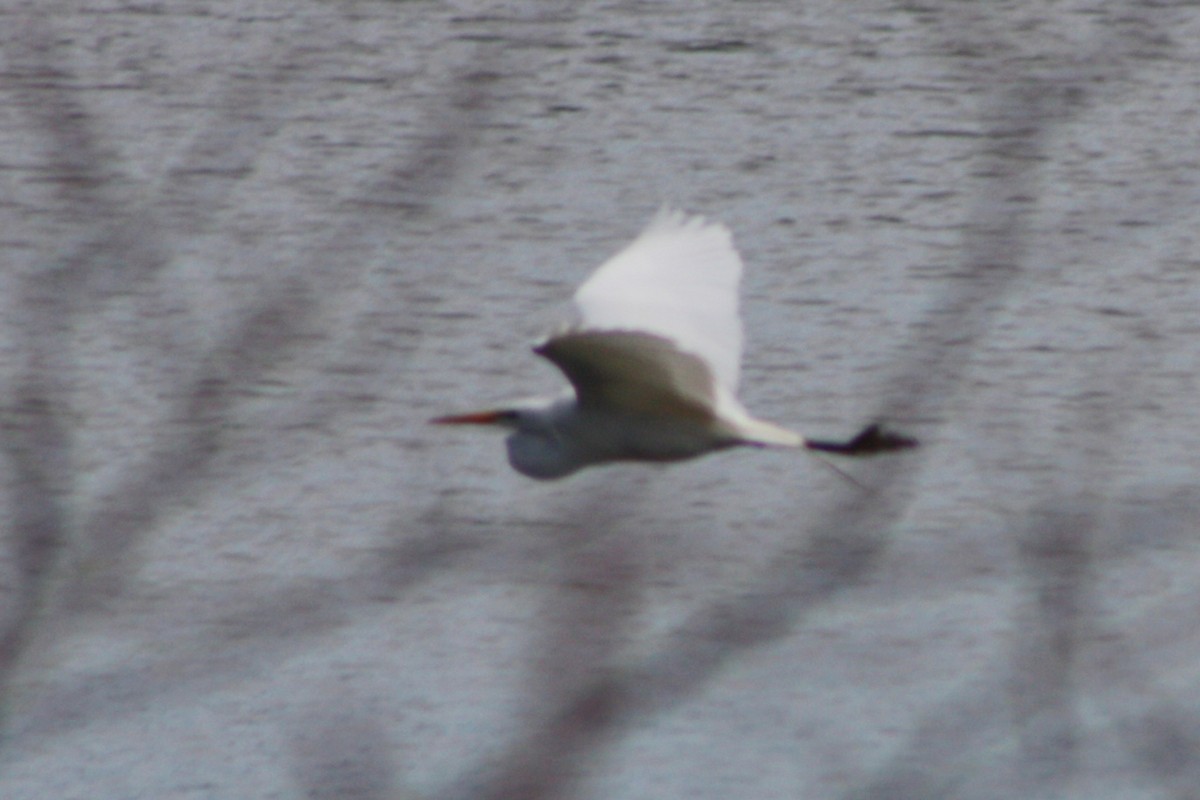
x: 474, y: 418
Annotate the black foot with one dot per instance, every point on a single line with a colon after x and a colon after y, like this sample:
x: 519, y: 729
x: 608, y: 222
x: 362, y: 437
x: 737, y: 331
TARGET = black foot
x: 872, y: 440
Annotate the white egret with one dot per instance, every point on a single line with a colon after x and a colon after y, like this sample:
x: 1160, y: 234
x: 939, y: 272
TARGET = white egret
x: 653, y: 364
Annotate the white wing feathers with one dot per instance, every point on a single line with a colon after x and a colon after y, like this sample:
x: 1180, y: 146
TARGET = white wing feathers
x: 679, y: 280
x: 635, y: 372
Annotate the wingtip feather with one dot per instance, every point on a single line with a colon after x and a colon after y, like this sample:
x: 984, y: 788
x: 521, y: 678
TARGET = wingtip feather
x: 671, y: 218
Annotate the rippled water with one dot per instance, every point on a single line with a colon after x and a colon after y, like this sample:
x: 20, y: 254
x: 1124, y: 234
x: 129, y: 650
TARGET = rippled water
x: 254, y: 247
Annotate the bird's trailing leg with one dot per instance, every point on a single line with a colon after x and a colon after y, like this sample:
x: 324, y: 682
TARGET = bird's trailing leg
x: 871, y: 440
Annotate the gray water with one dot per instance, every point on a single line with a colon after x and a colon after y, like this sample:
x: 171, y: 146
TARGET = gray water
x: 252, y: 247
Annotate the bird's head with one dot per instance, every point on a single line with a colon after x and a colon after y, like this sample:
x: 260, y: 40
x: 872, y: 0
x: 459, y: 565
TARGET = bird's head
x: 535, y: 445
x: 502, y: 417
x: 531, y: 414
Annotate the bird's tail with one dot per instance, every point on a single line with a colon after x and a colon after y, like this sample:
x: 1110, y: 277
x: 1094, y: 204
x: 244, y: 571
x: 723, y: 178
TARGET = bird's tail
x: 768, y: 434
x: 871, y: 440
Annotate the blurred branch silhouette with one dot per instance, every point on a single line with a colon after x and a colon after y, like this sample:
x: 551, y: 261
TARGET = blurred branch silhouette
x: 123, y: 234
x: 840, y: 547
x: 1017, y: 727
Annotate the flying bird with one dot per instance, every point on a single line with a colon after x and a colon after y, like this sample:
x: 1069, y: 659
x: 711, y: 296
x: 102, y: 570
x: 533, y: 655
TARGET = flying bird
x: 653, y: 364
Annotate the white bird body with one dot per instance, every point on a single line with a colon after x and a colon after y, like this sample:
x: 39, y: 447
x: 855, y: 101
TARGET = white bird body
x: 653, y: 363
x: 554, y: 440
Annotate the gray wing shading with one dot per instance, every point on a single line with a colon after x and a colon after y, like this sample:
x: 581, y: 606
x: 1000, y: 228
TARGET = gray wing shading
x: 633, y: 372
x: 678, y: 279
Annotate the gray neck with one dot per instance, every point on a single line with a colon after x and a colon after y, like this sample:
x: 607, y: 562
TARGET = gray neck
x: 545, y: 444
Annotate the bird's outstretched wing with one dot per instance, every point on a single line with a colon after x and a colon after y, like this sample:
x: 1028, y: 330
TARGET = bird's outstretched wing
x: 677, y: 280
x: 633, y: 372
